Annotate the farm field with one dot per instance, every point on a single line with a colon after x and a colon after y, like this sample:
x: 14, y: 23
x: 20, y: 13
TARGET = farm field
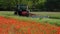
x: 14, y: 24
x: 48, y: 20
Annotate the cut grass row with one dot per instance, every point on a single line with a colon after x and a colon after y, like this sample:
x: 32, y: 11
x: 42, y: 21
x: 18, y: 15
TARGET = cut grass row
x: 41, y: 20
x: 52, y: 14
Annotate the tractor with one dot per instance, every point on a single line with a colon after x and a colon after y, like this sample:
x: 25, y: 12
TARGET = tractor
x: 22, y: 10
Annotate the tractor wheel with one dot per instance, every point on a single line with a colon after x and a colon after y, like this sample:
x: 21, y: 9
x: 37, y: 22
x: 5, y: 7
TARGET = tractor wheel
x: 19, y: 13
x: 15, y: 13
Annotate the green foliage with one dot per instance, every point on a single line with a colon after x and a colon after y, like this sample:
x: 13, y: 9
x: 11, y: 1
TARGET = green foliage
x: 12, y: 3
x: 37, y: 4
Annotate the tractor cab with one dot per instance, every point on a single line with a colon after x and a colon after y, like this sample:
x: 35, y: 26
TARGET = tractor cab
x: 22, y: 10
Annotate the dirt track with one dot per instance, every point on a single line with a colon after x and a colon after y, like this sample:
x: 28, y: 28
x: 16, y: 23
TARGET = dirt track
x: 13, y: 26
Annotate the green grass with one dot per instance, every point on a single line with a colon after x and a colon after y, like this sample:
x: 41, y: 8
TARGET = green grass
x: 41, y: 20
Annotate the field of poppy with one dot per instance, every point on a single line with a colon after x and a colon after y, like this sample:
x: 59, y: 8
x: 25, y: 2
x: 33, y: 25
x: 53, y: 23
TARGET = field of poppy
x: 10, y: 24
x: 13, y: 26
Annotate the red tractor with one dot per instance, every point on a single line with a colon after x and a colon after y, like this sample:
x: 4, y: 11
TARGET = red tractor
x: 22, y: 10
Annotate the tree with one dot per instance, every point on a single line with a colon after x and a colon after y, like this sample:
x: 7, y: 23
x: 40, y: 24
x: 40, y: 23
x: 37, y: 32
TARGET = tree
x: 52, y: 4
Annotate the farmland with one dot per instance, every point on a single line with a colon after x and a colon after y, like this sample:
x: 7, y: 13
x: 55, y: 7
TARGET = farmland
x: 51, y: 21
x: 14, y: 24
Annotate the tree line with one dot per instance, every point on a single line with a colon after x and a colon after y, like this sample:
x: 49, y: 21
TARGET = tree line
x: 42, y: 5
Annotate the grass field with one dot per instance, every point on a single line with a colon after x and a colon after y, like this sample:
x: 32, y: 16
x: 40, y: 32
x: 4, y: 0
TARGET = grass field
x: 14, y: 24
x: 41, y: 20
